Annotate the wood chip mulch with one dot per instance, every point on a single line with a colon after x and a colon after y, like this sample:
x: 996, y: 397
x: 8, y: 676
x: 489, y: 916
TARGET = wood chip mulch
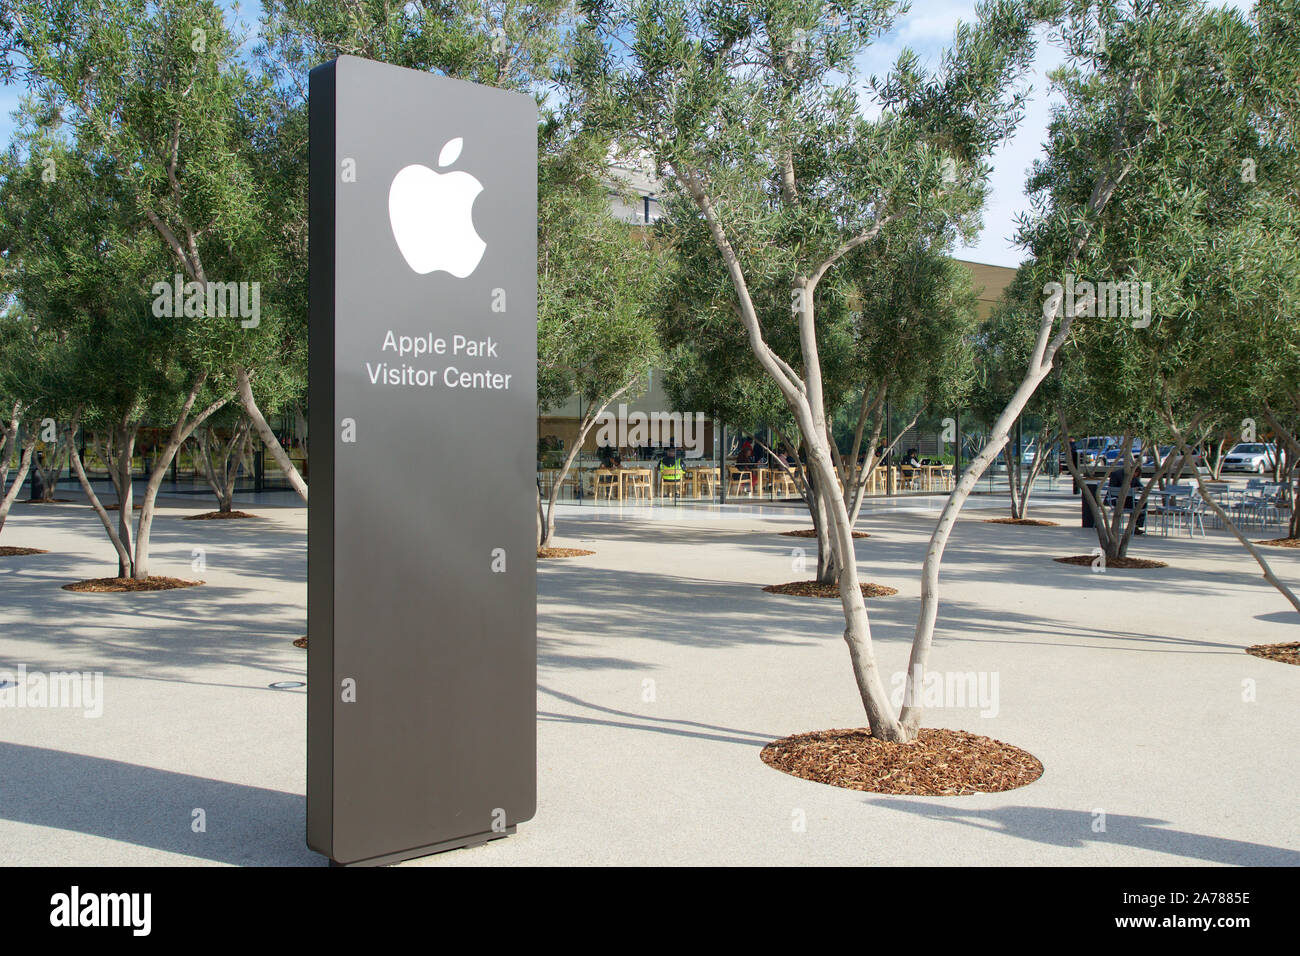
x: 939, y: 763
x: 562, y: 552
x: 814, y: 589
x: 1282, y: 542
x: 1032, y: 522
x: 218, y: 515
x: 812, y: 533
x: 300, y: 642
x: 118, y: 507
x: 121, y: 585
x: 1087, y: 559
x: 1286, y: 653
x: 46, y: 501
x: 11, y: 552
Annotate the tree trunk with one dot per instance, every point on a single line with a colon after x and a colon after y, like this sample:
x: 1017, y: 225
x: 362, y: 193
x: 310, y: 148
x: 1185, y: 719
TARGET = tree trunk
x: 806, y: 483
x: 1293, y: 531
x: 1013, y: 479
x: 1042, y: 441
x: 8, y: 434
x: 929, y: 612
x: 804, y: 397
x: 540, y: 518
x: 548, y: 529
x: 182, y: 428
x: 1217, y: 468
x: 857, y: 625
x: 870, y: 463
x: 125, y: 497
x: 1111, y: 540
x: 25, y: 456
x: 1040, y: 365
x: 244, y: 387
x: 123, y: 552
x: 230, y: 454
x: 1228, y: 523
x: 300, y: 421
x: 49, y: 469
x: 827, y: 573
x: 1291, y: 445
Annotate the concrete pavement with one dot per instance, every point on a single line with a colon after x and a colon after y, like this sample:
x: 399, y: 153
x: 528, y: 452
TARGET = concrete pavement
x: 663, y: 669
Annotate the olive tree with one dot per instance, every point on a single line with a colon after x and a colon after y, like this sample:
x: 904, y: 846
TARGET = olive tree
x: 1148, y: 114
x: 1002, y: 345
x: 162, y: 92
x: 84, y: 266
x: 23, y: 349
x: 598, y: 294
x: 750, y: 113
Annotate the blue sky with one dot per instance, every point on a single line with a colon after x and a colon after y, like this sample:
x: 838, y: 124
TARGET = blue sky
x: 926, y: 29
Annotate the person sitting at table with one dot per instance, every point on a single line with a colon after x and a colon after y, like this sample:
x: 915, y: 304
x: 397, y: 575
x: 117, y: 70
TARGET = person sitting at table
x: 910, y: 460
x: 609, y: 457
x: 1135, y: 485
x: 745, y: 454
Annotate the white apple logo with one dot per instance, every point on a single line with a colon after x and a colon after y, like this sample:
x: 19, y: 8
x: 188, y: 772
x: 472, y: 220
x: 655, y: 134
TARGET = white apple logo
x: 432, y: 216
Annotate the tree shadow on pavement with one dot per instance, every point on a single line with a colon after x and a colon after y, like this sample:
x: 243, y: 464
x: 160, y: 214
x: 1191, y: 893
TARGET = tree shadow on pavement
x: 1073, y: 829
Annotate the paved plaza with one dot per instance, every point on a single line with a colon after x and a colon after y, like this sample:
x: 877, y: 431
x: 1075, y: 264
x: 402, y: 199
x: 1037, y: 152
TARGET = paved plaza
x: 663, y: 670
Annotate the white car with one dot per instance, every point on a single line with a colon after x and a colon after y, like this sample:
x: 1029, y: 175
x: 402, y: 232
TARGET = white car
x: 1251, y: 456
x: 1027, y: 457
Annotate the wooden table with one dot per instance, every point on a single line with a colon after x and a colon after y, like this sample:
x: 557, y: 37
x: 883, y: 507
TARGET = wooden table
x: 622, y: 474
x: 701, y: 474
x: 924, y: 477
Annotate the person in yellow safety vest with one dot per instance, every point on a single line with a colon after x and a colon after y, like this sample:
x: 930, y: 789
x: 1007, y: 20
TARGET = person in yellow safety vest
x: 670, y: 469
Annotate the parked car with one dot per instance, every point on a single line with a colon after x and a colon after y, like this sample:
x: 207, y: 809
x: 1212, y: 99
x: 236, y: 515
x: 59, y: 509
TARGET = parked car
x: 1111, y: 455
x: 1092, y: 450
x: 1027, y: 457
x: 1179, y: 466
x: 1251, y: 456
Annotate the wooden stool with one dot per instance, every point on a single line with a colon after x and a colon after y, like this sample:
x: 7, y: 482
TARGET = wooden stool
x: 607, y: 482
x: 706, y: 478
x: 736, y: 478
x: 638, y: 486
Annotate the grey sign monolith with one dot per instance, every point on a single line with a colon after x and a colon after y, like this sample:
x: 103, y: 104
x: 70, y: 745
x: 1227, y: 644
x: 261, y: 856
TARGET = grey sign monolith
x: 421, y: 674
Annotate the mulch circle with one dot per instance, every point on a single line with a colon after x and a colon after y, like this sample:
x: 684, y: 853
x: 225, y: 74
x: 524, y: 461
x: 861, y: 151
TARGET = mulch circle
x: 12, y: 552
x: 46, y: 501
x: 300, y: 642
x: 1032, y: 522
x: 1282, y: 542
x: 562, y: 552
x: 122, y: 585
x: 218, y: 515
x: 1126, y: 562
x: 1285, y: 653
x: 812, y: 533
x: 118, y: 507
x: 939, y: 763
x: 817, y: 590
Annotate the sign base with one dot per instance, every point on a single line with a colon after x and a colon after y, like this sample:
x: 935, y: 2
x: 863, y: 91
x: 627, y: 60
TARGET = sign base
x: 461, y: 843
